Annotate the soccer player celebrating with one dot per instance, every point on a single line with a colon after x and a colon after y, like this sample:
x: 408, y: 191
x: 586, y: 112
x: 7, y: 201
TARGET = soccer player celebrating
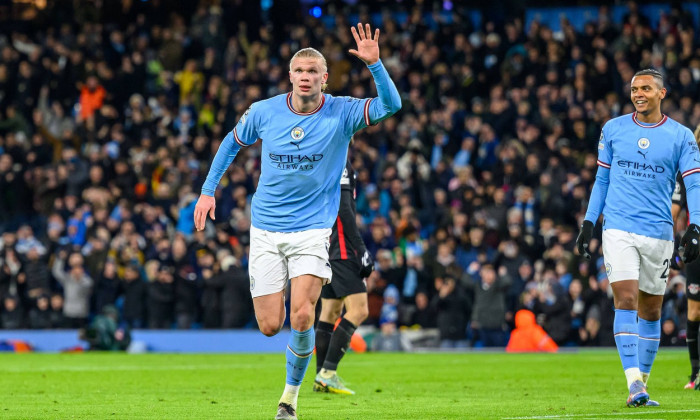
x: 305, y: 136
x: 638, y: 158
x: 351, y: 263
x: 692, y: 272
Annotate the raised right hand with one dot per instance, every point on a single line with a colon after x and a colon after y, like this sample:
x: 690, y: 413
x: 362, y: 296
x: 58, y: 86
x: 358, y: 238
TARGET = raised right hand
x: 205, y: 204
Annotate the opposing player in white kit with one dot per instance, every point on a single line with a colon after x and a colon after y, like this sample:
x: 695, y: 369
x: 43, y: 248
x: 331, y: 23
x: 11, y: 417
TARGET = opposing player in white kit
x: 639, y: 155
x: 305, y: 136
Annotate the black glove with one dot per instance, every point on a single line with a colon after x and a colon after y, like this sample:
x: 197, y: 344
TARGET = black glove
x: 690, y: 242
x: 584, y: 238
x: 367, y: 264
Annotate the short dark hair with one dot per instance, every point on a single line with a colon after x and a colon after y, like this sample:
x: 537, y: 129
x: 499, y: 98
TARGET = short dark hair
x: 653, y: 73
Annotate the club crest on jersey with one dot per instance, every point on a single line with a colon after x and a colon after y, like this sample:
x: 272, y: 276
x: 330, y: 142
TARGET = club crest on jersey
x: 643, y: 143
x: 297, y: 133
x: 693, y: 289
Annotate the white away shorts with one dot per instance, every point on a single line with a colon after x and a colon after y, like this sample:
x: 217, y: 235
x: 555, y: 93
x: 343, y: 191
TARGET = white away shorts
x: 629, y: 256
x: 276, y: 257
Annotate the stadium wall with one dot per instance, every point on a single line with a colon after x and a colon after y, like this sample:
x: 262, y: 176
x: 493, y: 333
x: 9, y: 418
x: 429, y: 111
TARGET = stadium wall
x: 160, y: 341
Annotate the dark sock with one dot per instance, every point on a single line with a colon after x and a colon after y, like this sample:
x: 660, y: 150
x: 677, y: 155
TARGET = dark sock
x: 324, y: 332
x: 339, y: 344
x: 692, y: 340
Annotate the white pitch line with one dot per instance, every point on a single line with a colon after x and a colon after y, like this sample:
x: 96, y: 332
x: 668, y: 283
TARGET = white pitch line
x: 599, y: 415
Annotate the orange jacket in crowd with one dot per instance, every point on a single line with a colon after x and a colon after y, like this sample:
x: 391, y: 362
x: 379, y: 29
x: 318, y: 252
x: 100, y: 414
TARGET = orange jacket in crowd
x: 90, y: 101
x: 528, y: 336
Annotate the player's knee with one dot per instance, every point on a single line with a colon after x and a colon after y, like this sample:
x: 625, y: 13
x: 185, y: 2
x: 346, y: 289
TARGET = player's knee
x: 269, y: 328
x: 335, y: 314
x: 626, y: 301
x: 358, y: 315
x: 303, y: 317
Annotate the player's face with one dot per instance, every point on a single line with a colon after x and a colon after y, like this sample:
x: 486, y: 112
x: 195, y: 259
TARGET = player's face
x: 307, y: 76
x: 646, y: 95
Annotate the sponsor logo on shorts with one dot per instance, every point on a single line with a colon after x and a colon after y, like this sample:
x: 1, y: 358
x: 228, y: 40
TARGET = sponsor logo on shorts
x: 252, y: 283
x: 608, y: 269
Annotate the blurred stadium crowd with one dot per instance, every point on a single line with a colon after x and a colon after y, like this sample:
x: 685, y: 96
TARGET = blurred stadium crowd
x: 469, y: 198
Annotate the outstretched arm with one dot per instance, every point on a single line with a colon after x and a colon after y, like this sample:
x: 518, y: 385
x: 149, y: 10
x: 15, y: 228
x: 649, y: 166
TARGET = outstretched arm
x: 368, y: 51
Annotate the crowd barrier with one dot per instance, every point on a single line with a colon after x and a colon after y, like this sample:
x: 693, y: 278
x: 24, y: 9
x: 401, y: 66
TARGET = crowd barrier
x: 160, y: 341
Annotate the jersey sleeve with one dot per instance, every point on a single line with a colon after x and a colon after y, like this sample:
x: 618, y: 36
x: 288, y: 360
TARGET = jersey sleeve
x: 678, y: 196
x: 357, y: 113
x: 605, y: 148
x: 689, y: 166
x: 365, y: 112
x: 602, y: 179
x: 245, y: 133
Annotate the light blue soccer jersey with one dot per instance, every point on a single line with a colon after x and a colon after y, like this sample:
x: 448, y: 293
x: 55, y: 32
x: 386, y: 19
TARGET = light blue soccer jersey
x: 636, y: 177
x: 303, y: 154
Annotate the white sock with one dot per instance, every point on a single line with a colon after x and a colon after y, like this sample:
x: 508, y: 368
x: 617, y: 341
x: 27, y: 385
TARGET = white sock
x: 632, y: 374
x: 290, y: 394
x: 326, y: 373
x: 645, y: 377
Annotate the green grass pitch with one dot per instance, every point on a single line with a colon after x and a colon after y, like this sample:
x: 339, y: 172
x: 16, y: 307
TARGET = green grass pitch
x: 583, y: 385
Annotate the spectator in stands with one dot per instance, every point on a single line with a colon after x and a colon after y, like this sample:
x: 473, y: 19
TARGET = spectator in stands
x: 237, y: 304
x: 161, y: 298
x: 134, y: 290
x: 12, y: 316
x: 57, y: 318
x: 10, y: 272
x: 107, y: 286
x: 92, y: 96
x: 186, y: 282
x: 77, y: 286
x: 489, y: 310
x: 554, y: 308
x: 453, y: 310
x: 425, y: 315
x: 40, y: 313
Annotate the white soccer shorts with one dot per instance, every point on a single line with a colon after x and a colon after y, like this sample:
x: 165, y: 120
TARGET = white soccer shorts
x: 276, y: 257
x: 629, y: 256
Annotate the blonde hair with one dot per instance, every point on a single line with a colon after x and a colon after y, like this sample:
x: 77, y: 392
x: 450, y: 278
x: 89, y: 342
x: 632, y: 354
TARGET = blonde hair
x: 697, y: 134
x: 311, y: 53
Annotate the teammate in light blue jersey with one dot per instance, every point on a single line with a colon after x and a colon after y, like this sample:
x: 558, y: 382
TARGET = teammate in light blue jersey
x: 305, y: 136
x: 638, y: 158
